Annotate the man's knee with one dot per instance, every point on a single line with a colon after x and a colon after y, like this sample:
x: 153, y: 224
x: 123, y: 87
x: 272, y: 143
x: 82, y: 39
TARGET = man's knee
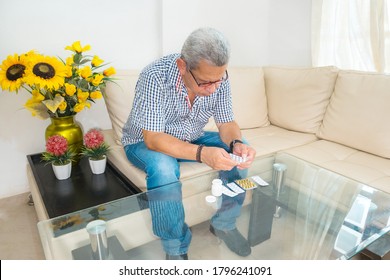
x: 163, y: 170
x: 164, y: 166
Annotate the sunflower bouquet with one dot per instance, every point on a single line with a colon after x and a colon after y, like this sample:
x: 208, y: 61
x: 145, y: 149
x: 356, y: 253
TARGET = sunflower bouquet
x: 58, y: 87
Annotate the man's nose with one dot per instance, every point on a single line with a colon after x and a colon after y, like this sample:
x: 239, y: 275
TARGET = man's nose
x: 211, y: 88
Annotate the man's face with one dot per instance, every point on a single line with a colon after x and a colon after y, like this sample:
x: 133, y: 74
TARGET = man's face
x: 205, y: 79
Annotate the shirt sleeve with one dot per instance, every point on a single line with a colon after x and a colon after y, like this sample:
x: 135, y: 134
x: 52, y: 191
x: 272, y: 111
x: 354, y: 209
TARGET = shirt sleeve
x: 224, y: 107
x: 148, y: 103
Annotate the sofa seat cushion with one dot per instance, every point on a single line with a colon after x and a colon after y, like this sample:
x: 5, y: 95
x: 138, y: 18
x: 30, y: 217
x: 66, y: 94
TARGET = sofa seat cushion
x: 298, y: 97
x: 358, y: 114
x: 271, y: 139
x: 364, y: 167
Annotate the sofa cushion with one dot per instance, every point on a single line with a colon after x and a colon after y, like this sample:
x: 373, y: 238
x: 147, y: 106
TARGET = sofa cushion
x: 119, y: 99
x: 361, y: 166
x: 248, y: 94
x: 298, y: 97
x: 270, y: 139
x: 358, y: 114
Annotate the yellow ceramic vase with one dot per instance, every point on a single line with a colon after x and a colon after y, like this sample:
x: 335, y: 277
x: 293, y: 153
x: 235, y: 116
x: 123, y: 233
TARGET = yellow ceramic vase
x: 68, y: 128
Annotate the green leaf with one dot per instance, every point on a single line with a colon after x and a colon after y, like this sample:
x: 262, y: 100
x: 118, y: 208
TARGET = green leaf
x: 77, y: 58
x: 84, y: 85
x: 84, y: 61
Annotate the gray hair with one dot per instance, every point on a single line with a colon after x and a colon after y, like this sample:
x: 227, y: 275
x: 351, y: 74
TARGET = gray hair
x: 208, y: 44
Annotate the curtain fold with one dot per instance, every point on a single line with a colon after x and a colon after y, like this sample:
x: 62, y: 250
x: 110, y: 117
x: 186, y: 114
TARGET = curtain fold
x: 351, y: 34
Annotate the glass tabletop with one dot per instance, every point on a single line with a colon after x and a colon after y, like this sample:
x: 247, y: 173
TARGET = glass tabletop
x: 286, y: 208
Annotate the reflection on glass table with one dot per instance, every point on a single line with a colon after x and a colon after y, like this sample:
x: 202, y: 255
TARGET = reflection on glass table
x: 322, y: 215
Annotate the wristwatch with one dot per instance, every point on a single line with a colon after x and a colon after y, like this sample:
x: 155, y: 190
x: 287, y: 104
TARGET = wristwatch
x: 233, y: 143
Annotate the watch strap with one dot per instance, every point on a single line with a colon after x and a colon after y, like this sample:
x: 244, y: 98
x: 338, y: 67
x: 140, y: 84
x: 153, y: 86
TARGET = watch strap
x: 233, y: 143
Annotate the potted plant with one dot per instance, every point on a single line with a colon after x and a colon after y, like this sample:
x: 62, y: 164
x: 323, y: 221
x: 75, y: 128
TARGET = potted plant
x: 96, y: 150
x: 58, y: 154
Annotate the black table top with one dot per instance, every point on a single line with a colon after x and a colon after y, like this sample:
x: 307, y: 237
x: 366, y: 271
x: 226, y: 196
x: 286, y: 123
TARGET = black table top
x: 82, y: 190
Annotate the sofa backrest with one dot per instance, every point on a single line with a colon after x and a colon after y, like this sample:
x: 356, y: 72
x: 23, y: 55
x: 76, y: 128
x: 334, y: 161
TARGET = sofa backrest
x: 298, y: 97
x: 358, y: 114
x: 119, y: 99
x: 248, y: 93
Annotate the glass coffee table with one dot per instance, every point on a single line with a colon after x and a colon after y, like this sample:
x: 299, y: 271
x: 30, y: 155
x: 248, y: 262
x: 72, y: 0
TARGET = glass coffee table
x: 292, y: 210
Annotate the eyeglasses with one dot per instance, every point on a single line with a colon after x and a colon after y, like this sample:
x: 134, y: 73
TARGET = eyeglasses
x: 207, y: 84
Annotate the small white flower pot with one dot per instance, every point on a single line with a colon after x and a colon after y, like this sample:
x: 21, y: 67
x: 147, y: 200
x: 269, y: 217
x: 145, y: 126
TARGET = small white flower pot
x: 62, y: 172
x: 98, y: 166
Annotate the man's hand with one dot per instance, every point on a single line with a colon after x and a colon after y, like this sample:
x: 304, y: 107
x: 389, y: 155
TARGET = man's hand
x: 217, y: 158
x: 246, y: 152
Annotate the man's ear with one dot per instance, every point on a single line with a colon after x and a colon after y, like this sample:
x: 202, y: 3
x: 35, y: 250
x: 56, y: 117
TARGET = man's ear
x: 182, y: 65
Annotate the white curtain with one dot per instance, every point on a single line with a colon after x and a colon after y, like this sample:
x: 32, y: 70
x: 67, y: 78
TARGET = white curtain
x: 351, y: 34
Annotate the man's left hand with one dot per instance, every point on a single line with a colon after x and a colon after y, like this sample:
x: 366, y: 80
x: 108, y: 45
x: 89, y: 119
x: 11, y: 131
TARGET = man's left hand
x: 246, y: 152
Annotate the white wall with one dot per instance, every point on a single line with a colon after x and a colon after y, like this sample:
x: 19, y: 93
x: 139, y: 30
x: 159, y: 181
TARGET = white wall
x: 130, y: 34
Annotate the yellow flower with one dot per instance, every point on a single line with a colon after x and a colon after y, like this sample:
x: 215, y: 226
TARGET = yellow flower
x: 69, y: 60
x: 62, y: 106
x: 45, y: 71
x: 97, y: 79
x: 96, y: 61
x: 76, y: 47
x: 58, y: 87
x: 80, y: 106
x: 12, y: 71
x: 86, y: 72
x: 37, y: 108
x: 68, y: 71
x: 96, y: 95
x: 82, y: 95
x: 31, y: 102
x: 70, y: 89
x: 29, y: 55
x: 36, y: 95
x: 109, y: 71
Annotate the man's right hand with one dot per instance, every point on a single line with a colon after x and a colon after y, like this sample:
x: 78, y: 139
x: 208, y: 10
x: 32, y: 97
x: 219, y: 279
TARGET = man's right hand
x: 217, y: 158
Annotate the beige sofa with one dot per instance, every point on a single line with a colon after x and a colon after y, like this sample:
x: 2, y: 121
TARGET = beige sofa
x: 334, y: 118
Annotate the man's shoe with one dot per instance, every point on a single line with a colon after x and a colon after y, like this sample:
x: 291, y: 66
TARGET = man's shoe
x: 233, y: 240
x: 176, y: 257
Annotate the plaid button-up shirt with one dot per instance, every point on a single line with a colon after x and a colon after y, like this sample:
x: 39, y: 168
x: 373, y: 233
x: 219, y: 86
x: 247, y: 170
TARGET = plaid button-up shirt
x: 161, y: 104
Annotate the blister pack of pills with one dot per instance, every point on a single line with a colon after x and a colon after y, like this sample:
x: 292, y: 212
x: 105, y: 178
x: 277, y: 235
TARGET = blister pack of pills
x: 237, y: 158
x: 246, y: 184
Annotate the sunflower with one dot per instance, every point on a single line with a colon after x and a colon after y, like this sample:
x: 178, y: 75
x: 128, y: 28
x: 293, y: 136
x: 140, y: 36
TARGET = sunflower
x: 46, y: 71
x: 12, y: 71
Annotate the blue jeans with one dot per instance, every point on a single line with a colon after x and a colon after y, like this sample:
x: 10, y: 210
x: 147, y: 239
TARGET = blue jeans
x: 165, y: 202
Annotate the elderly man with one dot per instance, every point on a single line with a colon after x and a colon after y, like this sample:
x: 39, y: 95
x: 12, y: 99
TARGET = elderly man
x: 175, y: 97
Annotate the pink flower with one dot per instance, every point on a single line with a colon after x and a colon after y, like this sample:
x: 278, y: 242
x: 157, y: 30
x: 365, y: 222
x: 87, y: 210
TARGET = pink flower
x: 56, y: 145
x: 93, y: 139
